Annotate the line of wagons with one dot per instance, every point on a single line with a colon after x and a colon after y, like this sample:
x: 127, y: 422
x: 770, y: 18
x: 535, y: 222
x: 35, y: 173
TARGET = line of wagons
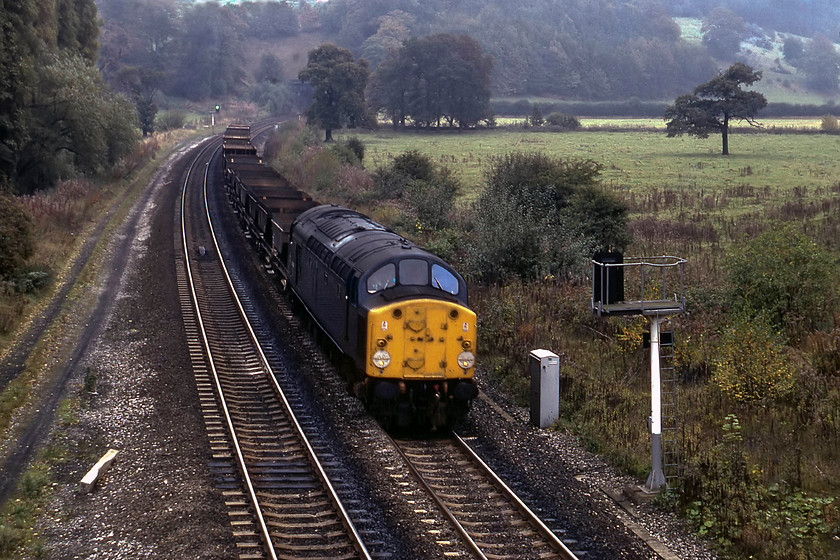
x: 398, y: 314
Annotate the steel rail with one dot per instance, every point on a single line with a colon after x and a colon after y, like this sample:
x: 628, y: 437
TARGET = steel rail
x: 264, y: 531
x: 447, y: 512
x: 500, y: 484
x: 316, y: 463
x: 480, y: 469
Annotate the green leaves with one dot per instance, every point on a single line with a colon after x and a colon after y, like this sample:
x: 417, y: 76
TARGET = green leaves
x: 786, y: 275
x: 338, y: 82
x: 715, y: 104
x: 436, y: 80
x: 541, y: 216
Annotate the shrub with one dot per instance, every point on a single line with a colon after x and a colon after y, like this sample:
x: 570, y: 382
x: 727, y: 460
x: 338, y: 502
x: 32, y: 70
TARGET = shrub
x: 829, y: 124
x: 562, y: 121
x: 392, y: 181
x: 720, y: 489
x: 354, y: 183
x: 751, y: 365
x: 823, y: 351
x: 274, y: 98
x: 535, y: 218
x: 784, y: 274
x: 17, y: 241
x: 432, y: 201
x: 727, y: 505
x: 415, y: 165
x: 357, y: 146
x: 345, y: 155
x: 171, y: 120
x: 318, y: 172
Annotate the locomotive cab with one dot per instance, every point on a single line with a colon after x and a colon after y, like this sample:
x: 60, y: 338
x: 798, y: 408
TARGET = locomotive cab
x: 397, y: 311
x: 419, y: 357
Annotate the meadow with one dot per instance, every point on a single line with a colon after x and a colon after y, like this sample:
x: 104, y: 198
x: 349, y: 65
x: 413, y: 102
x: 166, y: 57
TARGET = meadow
x: 779, y: 458
x: 639, y: 163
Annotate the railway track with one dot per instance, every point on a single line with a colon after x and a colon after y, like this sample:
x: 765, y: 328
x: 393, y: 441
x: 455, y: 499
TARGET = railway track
x: 281, y: 501
x: 485, y: 512
x: 488, y: 520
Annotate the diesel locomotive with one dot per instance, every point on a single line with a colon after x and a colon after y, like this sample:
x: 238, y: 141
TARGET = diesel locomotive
x: 398, y: 314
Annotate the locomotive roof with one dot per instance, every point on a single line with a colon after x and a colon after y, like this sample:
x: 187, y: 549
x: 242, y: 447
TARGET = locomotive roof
x: 355, y: 238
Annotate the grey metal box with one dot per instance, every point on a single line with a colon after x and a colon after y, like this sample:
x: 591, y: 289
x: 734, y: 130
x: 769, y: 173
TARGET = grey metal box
x: 545, y: 387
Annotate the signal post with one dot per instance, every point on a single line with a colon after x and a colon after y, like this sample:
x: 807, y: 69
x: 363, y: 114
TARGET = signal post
x: 655, y: 291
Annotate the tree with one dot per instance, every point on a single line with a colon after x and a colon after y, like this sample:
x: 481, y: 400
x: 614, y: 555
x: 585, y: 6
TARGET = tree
x: 821, y: 64
x: 57, y: 118
x: 434, y: 79
x: 211, y: 52
x: 270, y: 69
x: 539, y: 216
x: 723, y: 31
x: 339, y: 82
x: 18, y: 45
x: 141, y: 84
x: 394, y: 30
x: 17, y: 242
x: 715, y: 104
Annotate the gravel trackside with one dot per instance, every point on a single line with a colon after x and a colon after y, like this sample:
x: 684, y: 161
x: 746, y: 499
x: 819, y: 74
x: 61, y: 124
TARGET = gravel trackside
x: 157, y: 501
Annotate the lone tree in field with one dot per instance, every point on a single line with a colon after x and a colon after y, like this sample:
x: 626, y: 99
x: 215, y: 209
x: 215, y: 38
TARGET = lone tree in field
x: 715, y: 103
x: 339, y: 84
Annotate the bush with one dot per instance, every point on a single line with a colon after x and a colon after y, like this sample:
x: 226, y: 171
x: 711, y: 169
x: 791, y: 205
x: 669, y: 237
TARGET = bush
x: 535, y: 218
x: 415, y: 165
x: 727, y: 505
x: 32, y: 281
x: 392, y: 181
x: 171, y: 120
x: 273, y: 98
x: 17, y: 241
x: 428, y: 190
x: 357, y: 146
x: 829, y: 124
x: 433, y: 201
x: 751, y: 365
x: 345, y: 154
x: 784, y: 274
x: 562, y: 121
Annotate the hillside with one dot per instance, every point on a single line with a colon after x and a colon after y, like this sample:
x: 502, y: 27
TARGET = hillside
x: 590, y: 51
x: 782, y: 82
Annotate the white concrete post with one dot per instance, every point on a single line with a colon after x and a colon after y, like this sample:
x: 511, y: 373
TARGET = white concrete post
x: 656, y: 480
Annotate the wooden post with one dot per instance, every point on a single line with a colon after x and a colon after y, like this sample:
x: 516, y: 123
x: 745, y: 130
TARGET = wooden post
x: 87, y: 483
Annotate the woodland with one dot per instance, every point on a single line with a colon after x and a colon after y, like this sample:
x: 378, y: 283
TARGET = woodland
x: 83, y: 83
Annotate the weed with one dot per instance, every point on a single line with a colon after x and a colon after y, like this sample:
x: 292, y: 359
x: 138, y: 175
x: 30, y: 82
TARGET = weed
x: 90, y: 380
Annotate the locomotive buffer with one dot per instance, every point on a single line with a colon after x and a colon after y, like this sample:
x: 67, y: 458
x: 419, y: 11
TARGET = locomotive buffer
x: 654, y: 281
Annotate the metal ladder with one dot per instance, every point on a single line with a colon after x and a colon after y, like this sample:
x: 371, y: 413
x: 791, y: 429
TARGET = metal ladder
x: 670, y: 418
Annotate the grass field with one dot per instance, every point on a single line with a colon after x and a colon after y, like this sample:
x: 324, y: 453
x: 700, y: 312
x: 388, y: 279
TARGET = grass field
x: 772, y: 166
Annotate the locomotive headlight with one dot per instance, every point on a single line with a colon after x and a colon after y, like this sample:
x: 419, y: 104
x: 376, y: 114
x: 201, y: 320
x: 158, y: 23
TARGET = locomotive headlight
x: 381, y: 359
x: 466, y: 360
